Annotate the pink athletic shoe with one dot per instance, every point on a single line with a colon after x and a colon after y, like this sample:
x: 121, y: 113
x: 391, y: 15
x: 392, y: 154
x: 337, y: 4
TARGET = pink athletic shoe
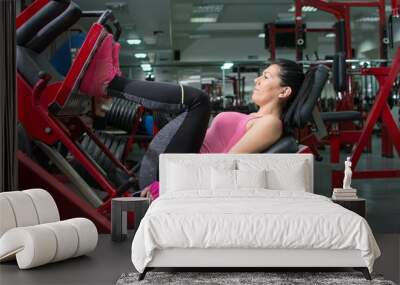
x: 100, y: 71
x: 155, y: 189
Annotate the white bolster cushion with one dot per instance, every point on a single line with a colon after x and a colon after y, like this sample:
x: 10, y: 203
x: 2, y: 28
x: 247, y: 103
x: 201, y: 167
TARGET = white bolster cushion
x: 45, y: 205
x: 7, y: 218
x: 26, y: 208
x: 67, y: 240
x: 33, y: 246
x: 37, y: 245
x: 23, y: 208
x: 87, y: 235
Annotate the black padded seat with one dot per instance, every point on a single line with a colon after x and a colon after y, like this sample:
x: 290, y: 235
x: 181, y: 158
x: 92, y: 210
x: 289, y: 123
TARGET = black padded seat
x: 335, y: 117
x: 30, y: 64
x: 286, y: 144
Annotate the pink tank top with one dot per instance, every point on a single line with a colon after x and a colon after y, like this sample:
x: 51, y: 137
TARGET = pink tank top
x: 225, y: 131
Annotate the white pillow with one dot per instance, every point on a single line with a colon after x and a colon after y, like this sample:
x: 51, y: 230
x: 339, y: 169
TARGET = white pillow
x: 251, y: 178
x: 226, y: 179
x: 223, y: 179
x: 186, y: 175
x: 281, y: 174
x: 292, y: 179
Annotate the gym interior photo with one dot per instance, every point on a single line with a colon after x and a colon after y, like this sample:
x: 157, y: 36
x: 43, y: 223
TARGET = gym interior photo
x: 200, y: 142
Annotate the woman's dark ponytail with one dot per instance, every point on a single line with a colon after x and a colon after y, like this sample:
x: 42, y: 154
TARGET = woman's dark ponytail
x: 292, y: 75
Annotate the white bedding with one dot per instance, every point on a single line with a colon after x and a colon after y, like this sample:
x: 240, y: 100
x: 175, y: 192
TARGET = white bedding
x: 251, y: 218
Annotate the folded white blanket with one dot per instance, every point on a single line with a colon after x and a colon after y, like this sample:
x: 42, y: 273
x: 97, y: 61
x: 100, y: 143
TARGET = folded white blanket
x: 252, y: 218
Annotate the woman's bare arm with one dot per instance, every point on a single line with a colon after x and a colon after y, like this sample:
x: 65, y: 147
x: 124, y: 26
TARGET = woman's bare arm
x: 264, y: 132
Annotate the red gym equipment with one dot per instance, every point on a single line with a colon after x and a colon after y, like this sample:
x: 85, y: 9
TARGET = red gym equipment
x: 50, y: 111
x: 380, y: 110
x: 341, y: 10
x: 344, y: 131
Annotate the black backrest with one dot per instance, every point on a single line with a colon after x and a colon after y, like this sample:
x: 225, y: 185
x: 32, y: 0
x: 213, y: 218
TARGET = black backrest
x: 34, y: 24
x: 37, y: 33
x: 300, y: 111
x: 46, y: 25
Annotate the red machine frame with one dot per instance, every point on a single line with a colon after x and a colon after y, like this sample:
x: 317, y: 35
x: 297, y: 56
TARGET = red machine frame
x: 380, y: 109
x: 44, y: 99
x: 341, y: 10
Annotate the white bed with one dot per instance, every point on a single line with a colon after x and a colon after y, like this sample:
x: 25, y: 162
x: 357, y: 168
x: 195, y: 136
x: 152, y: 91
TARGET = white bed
x: 247, y: 210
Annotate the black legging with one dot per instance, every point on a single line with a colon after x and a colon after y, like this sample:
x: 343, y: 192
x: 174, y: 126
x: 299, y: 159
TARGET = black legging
x: 167, y: 97
x: 184, y: 134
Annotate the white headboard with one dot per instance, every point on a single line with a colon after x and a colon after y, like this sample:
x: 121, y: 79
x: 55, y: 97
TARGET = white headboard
x: 269, y: 160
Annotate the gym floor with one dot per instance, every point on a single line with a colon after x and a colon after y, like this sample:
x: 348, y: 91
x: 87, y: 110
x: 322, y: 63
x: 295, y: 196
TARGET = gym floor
x: 106, y: 264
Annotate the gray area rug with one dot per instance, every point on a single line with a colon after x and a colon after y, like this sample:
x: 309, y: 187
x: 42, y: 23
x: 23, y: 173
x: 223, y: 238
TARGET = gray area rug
x: 242, y: 278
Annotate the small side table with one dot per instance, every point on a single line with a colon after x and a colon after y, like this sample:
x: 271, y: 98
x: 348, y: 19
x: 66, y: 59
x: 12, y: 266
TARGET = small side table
x: 356, y: 205
x: 119, y: 208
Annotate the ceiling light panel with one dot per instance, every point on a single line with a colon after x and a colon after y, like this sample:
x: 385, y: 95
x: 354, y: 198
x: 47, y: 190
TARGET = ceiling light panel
x: 207, y: 9
x: 116, y: 5
x: 227, y: 65
x: 134, y: 41
x: 368, y: 19
x: 208, y: 19
x: 330, y: 35
x: 140, y: 55
x: 305, y: 9
x: 145, y: 67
